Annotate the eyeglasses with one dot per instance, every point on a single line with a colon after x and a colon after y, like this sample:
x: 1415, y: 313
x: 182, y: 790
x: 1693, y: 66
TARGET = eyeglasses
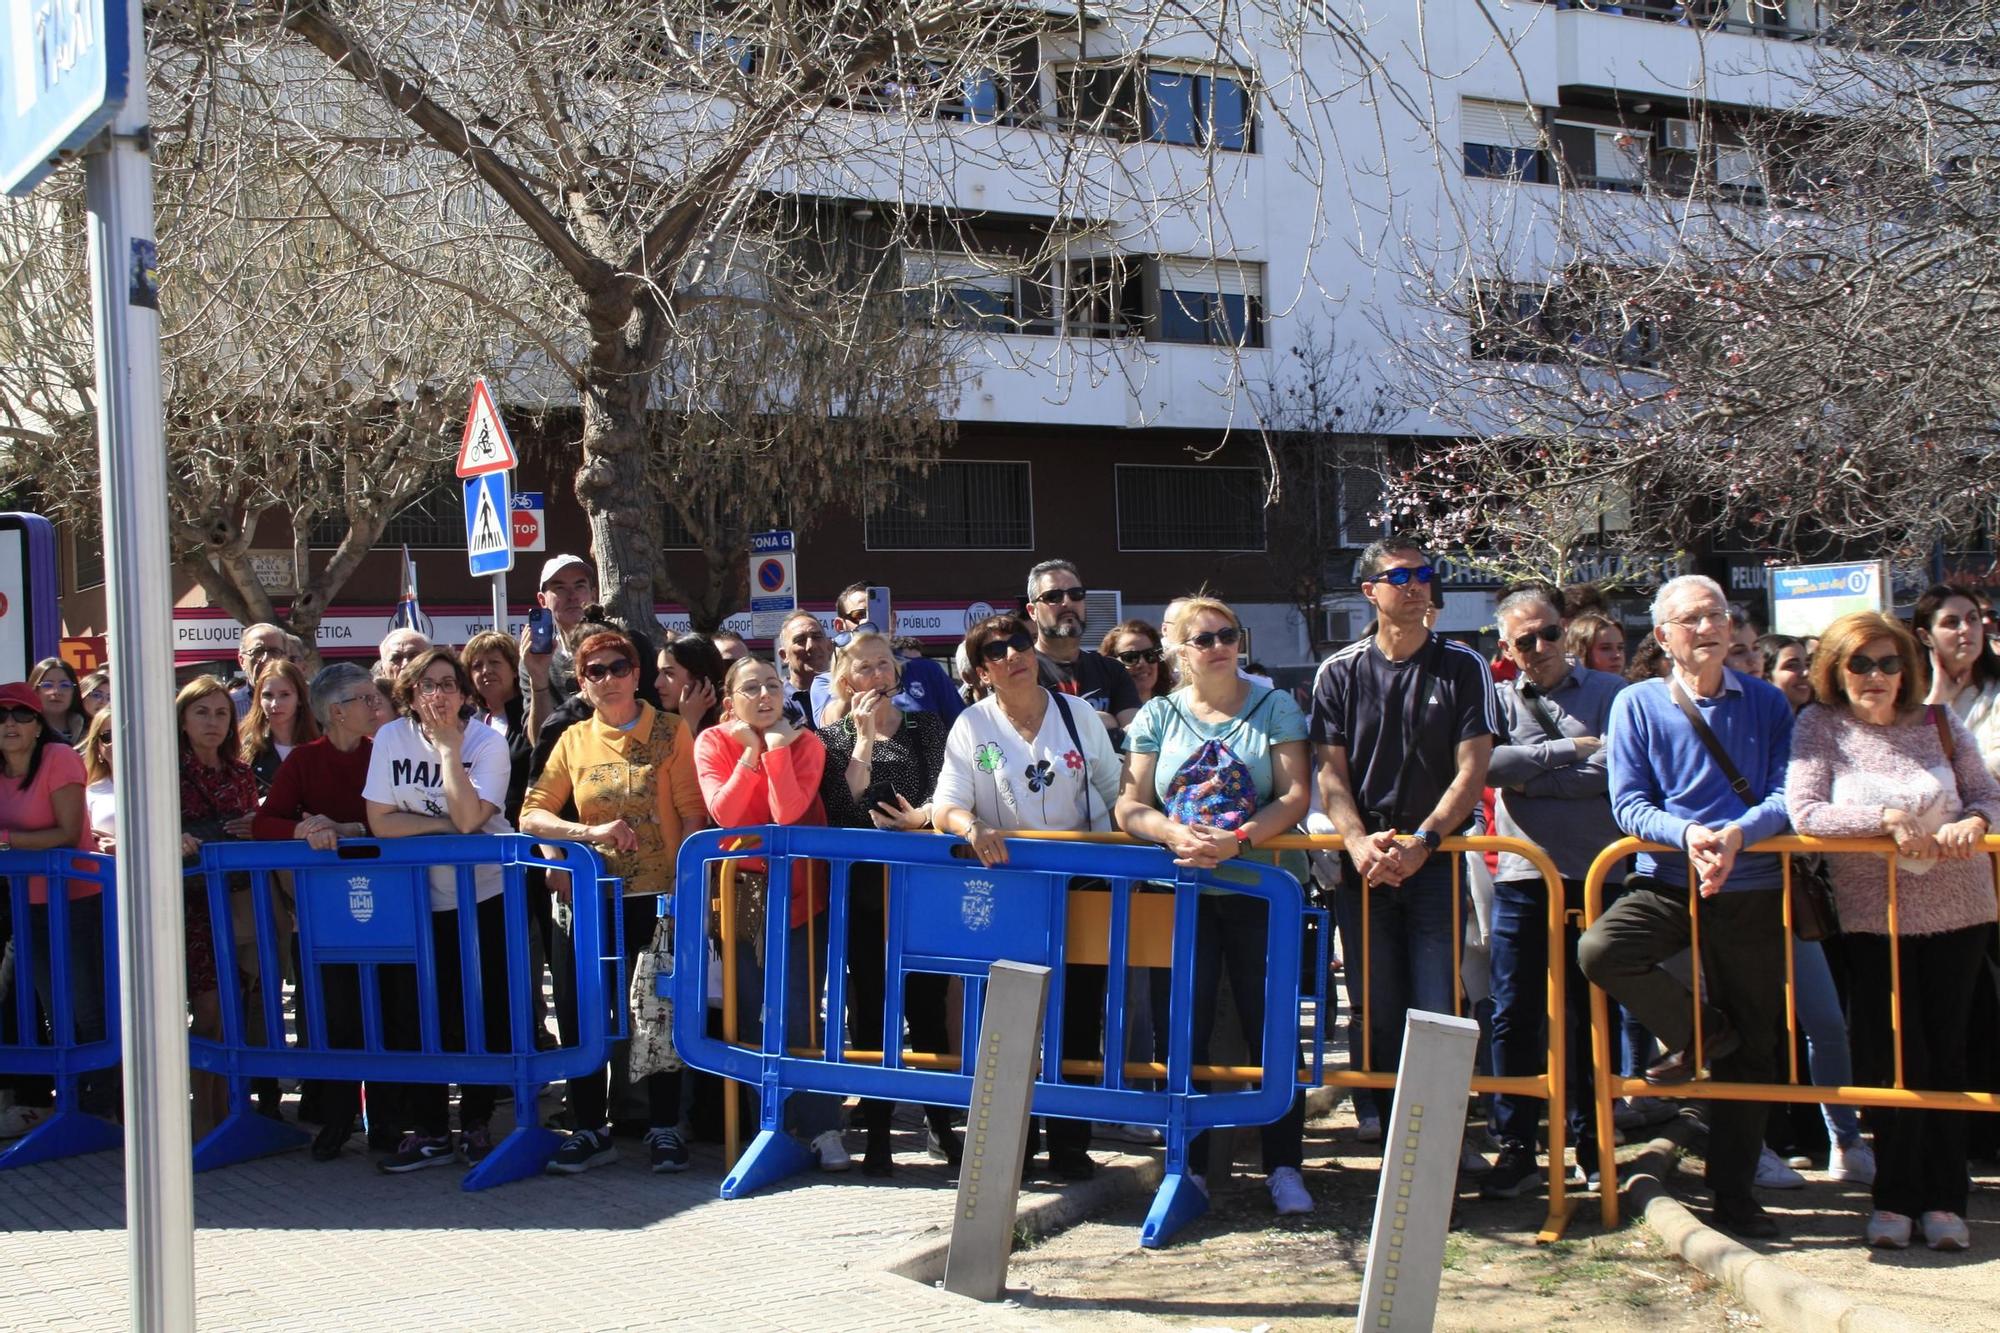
x: 1055, y: 596
x: 618, y: 670
x: 260, y: 650
x: 53, y: 685
x: 19, y: 714
x: 847, y: 636
x: 429, y: 686
x: 99, y: 695
x: 1401, y: 576
x: 372, y: 699
x: 1546, y: 634
x: 1226, y: 637
x: 1861, y: 664
x: 1138, y: 655
x: 1697, y: 621
x: 758, y: 691
x: 993, y: 650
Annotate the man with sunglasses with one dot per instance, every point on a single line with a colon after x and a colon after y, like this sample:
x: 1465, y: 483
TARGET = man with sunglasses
x: 1552, y: 790
x: 1056, y: 609
x: 923, y: 685
x: 1403, y: 725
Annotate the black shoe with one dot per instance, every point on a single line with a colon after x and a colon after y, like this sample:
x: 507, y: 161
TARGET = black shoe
x: 1745, y: 1218
x: 879, y: 1159
x: 942, y: 1142
x: 1512, y: 1174
x: 1073, y: 1164
x: 1679, y: 1067
x: 331, y: 1141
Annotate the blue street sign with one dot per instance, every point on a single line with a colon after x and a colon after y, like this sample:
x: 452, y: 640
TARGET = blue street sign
x: 489, y: 540
x: 62, y: 79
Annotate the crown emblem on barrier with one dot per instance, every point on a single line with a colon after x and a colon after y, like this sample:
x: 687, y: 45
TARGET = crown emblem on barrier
x: 360, y: 899
x: 976, y: 907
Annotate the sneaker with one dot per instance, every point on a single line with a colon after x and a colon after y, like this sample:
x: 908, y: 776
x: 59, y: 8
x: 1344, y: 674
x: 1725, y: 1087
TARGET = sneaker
x: 1144, y: 1135
x: 1854, y: 1164
x: 1799, y: 1161
x: 832, y: 1153
x: 1369, y: 1126
x: 1887, y: 1231
x: 17, y: 1120
x: 1773, y: 1174
x: 331, y: 1141
x: 475, y: 1144
x: 1580, y: 1179
x: 1946, y: 1231
x: 1471, y: 1161
x: 1288, y: 1193
x: 1514, y: 1172
x: 417, y: 1152
x: 583, y: 1150
x: 667, y: 1148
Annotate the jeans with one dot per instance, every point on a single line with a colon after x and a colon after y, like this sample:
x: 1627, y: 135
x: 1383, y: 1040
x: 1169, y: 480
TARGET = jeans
x: 810, y: 1113
x: 1622, y: 952
x: 1919, y: 1155
x: 98, y: 1090
x: 1408, y: 961
x: 1230, y: 933
x: 1520, y: 1011
x: 1825, y: 1028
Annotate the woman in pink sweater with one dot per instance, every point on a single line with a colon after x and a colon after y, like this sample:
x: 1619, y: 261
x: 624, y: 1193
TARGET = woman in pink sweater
x: 756, y: 768
x: 1871, y: 760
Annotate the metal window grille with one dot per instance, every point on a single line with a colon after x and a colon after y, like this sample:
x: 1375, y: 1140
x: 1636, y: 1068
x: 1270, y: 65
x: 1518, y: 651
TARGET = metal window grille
x: 1190, y: 508
x: 958, y: 505
x: 434, y: 521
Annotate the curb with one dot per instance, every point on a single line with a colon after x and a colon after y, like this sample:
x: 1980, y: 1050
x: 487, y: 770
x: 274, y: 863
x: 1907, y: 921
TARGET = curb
x: 1777, y: 1295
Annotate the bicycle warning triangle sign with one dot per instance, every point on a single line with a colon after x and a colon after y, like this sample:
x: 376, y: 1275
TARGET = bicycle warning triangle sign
x: 485, y: 446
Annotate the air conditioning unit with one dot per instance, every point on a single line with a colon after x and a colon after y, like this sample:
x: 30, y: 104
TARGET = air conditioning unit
x: 1679, y: 136
x: 1102, y: 609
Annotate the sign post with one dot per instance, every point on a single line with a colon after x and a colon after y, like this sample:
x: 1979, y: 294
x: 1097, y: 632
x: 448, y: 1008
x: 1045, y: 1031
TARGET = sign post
x: 67, y: 72
x: 486, y: 460
x: 774, y: 592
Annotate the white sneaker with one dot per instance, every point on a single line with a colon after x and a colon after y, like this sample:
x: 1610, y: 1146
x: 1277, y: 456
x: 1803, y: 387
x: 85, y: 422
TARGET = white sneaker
x: 1288, y: 1192
x: 1887, y: 1231
x: 1369, y: 1127
x: 832, y: 1153
x: 1144, y: 1135
x: 18, y: 1120
x: 1946, y: 1231
x: 1854, y: 1164
x: 1471, y: 1161
x: 1773, y: 1174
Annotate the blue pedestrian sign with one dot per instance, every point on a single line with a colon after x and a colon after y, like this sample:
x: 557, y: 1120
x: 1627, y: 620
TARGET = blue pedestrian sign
x: 62, y: 79
x: 489, y: 542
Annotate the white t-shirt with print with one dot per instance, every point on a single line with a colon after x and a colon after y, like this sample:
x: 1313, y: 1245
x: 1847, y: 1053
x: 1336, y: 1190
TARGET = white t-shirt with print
x: 1012, y: 784
x: 406, y: 771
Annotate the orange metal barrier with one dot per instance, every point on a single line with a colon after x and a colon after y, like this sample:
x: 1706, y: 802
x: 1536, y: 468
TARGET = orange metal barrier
x: 1611, y: 1085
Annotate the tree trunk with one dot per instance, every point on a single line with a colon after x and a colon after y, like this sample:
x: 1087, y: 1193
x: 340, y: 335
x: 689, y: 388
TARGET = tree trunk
x: 613, y: 487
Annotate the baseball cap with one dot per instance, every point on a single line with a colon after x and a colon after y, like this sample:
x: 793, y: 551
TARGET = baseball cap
x: 556, y: 564
x: 20, y: 694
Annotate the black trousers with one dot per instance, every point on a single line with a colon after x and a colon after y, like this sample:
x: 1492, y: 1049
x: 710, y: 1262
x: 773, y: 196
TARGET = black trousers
x: 1742, y: 968
x: 589, y: 1093
x: 1920, y: 1155
x: 1230, y: 936
x: 426, y: 1107
x: 924, y: 993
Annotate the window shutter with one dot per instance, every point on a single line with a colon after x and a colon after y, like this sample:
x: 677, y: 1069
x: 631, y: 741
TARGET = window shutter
x: 1227, y: 277
x: 1500, y: 124
x: 1738, y: 167
x: 1620, y: 162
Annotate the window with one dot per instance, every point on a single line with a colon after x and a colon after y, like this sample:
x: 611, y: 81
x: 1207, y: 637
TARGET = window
x: 1217, y: 301
x: 1098, y: 99
x: 1104, y: 297
x: 1621, y: 160
x: 1190, y: 508
x: 959, y: 505
x: 1502, y: 142
x: 1506, y: 320
x: 962, y: 292
x: 1200, y: 110
x: 86, y: 551
x: 1738, y: 172
x: 1009, y: 96
x: 434, y: 521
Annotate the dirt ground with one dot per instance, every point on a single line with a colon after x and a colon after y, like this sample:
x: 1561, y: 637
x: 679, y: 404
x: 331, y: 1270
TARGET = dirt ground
x: 1242, y: 1268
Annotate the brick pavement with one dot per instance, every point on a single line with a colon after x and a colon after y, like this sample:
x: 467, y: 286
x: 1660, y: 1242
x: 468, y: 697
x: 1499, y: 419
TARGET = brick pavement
x: 289, y: 1243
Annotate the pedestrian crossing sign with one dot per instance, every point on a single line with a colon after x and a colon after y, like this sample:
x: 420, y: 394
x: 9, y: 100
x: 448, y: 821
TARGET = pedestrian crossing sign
x: 489, y: 544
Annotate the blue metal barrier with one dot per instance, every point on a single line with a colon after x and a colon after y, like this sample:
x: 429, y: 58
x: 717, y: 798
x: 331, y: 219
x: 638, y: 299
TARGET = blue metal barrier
x: 45, y: 1037
x: 366, y: 905
x: 948, y: 915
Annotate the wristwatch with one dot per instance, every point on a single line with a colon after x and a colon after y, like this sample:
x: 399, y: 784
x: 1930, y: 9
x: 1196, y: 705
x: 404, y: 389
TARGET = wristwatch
x: 1430, y: 838
x: 1243, y: 836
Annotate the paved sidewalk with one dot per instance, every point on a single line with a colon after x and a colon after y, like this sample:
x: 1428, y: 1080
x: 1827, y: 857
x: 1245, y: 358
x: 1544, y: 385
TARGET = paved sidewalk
x: 289, y: 1243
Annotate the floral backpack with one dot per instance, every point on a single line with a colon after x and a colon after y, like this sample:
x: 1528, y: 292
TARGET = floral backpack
x: 1213, y: 787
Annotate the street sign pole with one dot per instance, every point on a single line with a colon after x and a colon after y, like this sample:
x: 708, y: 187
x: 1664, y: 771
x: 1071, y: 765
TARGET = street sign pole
x: 500, y: 601
x: 159, y: 1173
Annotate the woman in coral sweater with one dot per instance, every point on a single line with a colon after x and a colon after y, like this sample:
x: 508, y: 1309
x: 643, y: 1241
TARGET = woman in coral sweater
x: 756, y: 768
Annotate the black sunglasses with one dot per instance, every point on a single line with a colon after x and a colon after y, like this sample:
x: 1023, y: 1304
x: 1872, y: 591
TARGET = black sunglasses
x: 995, y: 649
x: 1054, y: 596
x: 1138, y: 655
x: 1861, y: 664
x: 1225, y: 637
x: 615, y: 670
x: 19, y: 714
x: 1401, y: 577
x: 1547, y: 634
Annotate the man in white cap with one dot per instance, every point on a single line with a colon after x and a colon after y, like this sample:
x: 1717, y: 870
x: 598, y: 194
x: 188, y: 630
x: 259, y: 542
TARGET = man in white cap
x: 568, y: 585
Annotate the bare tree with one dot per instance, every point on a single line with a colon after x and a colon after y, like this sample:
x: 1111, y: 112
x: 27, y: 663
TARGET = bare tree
x: 1774, y: 329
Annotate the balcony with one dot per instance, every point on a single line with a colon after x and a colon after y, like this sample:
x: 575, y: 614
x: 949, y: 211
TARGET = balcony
x: 1738, y: 53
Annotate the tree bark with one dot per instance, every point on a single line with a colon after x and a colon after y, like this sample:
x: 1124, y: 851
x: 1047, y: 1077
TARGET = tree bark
x: 614, y: 489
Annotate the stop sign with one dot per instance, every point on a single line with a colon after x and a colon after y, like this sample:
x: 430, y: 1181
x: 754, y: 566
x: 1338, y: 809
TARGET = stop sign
x: 527, y: 527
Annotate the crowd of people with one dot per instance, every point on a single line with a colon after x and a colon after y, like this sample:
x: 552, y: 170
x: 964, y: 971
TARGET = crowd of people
x: 1705, y: 739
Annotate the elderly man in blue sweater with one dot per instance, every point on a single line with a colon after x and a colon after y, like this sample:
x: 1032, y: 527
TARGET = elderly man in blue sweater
x: 1669, y: 786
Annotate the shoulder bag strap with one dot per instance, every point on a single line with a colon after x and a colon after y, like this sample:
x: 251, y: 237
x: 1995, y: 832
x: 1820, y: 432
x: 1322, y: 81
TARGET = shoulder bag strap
x: 1712, y: 745
x: 1069, y: 725
x: 1540, y: 711
x: 1943, y: 725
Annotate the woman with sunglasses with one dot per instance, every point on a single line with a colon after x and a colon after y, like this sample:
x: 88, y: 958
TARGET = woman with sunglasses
x: 629, y: 769
x: 430, y: 772
x: 755, y: 767
x: 54, y: 683
x: 1137, y: 646
x: 1964, y: 670
x: 278, y: 721
x: 882, y: 763
x: 1022, y: 758
x: 1869, y: 760
x: 1214, y: 768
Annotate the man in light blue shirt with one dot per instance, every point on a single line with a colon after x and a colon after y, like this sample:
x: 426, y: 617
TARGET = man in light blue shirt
x: 1669, y: 788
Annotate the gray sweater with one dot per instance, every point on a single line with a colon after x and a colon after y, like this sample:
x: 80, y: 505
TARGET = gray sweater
x: 1544, y: 792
